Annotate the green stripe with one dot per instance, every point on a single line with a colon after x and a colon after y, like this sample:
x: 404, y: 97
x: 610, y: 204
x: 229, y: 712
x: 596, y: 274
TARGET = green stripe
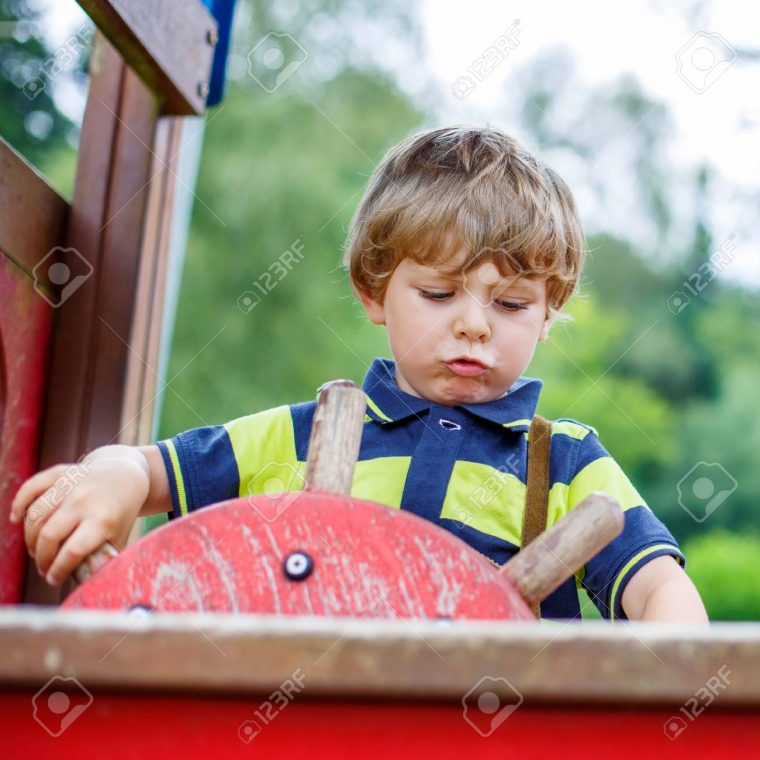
x: 373, y: 406
x: 264, y: 446
x: 644, y: 553
x: 570, y: 429
x: 604, y: 474
x: 516, y: 422
x: 381, y: 480
x: 177, y: 477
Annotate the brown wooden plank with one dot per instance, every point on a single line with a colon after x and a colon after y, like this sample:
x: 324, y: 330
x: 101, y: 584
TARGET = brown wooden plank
x: 155, y: 335
x: 122, y: 236
x: 145, y: 338
x: 169, y: 43
x: 32, y: 214
x: 90, y: 351
x: 580, y: 662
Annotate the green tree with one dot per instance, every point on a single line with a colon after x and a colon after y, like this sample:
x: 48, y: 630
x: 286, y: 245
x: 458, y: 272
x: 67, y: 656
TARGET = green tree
x: 723, y: 566
x: 278, y: 171
x: 30, y: 120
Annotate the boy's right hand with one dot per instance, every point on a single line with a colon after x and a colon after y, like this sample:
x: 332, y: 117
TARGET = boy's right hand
x: 69, y: 511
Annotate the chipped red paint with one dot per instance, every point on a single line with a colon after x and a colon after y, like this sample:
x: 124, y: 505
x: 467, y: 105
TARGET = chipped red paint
x: 25, y: 321
x: 368, y: 560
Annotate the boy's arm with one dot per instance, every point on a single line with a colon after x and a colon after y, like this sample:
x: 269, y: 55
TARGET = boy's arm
x: 661, y: 591
x: 159, y: 497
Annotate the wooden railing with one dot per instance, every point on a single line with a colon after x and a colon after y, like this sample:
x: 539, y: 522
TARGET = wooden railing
x: 86, y: 375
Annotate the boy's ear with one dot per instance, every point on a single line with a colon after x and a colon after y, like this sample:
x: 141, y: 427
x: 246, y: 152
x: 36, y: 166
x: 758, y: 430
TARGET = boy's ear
x: 544, y: 333
x: 374, y: 308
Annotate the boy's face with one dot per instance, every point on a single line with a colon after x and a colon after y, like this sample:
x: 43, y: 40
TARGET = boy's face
x: 434, y: 319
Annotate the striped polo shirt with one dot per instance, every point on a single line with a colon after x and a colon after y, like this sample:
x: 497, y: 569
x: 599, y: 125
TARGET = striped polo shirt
x: 462, y: 468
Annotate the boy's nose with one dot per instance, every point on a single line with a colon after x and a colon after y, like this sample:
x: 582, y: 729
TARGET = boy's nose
x: 472, y: 320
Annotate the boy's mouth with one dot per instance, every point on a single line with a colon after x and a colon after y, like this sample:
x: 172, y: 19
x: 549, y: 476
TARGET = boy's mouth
x: 466, y: 367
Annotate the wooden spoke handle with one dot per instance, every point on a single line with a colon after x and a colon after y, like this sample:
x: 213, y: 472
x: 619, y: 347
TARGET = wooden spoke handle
x: 95, y: 561
x: 330, y: 462
x: 556, y: 554
x: 336, y: 435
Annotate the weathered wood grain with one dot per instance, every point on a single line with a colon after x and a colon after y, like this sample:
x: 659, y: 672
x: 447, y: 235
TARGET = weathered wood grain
x: 554, y: 555
x: 567, y: 663
x: 335, y: 438
x: 170, y: 44
x: 32, y: 214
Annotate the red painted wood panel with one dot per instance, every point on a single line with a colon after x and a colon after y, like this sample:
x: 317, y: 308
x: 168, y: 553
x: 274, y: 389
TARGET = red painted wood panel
x: 25, y: 322
x: 368, y: 559
x: 142, y: 725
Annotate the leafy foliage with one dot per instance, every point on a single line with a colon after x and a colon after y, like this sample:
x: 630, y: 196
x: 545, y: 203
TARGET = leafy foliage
x: 667, y: 389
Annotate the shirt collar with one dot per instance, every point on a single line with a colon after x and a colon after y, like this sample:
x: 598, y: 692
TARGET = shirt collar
x: 386, y: 402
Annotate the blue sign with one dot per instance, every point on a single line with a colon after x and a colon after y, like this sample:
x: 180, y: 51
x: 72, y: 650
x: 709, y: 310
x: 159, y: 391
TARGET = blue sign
x: 222, y: 11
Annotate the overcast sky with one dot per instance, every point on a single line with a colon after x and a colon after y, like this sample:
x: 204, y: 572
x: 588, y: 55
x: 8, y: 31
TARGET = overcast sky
x: 682, y: 53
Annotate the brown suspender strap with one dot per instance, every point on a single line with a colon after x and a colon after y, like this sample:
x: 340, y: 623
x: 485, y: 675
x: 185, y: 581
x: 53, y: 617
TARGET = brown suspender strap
x: 537, y: 489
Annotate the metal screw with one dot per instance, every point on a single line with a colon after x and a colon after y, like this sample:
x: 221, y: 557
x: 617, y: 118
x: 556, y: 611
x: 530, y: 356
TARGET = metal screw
x: 298, y: 566
x: 203, y: 89
x: 212, y: 36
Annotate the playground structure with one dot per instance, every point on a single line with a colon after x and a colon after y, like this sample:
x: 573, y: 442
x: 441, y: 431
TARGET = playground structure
x: 76, y: 372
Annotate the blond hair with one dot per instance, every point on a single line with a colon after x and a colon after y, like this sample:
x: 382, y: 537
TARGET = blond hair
x: 477, y: 188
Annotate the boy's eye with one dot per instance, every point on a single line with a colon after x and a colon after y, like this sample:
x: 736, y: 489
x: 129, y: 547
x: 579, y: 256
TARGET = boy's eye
x: 512, y: 306
x: 434, y: 296
x: 442, y: 296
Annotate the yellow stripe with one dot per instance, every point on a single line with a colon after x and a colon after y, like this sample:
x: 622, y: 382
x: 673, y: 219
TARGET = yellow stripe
x: 177, y: 477
x: 489, y: 500
x: 515, y: 423
x: 265, y: 451
x: 604, y: 474
x: 381, y: 480
x: 644, y: 553
x: 373, y: 406
x: 571, y: 429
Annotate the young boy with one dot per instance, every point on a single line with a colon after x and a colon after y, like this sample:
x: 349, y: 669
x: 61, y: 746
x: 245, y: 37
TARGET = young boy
x: 466, y: 248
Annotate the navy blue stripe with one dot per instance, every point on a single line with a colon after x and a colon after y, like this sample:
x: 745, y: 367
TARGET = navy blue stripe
x: 392, y: 439
x: 496, y: 447
x: 218, y: 478
x: 302, y: 415
x: 494, y: 548
x: 563, y: 602
x: 619, y: 611
x: 175, y: 512
x: 564, y: 456
x: 433, y: 460
x: 591, y: 450
x: 641, y: 529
